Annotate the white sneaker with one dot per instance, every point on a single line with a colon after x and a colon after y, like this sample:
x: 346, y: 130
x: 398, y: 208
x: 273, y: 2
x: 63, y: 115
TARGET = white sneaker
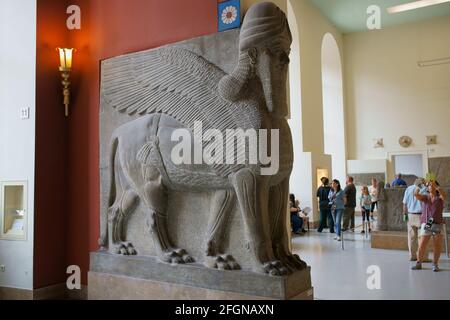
x: 339, y: 239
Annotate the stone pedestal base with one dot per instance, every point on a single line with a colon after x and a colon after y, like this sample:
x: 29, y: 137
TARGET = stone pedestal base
x: 145, y: 278
x: 391, y: 240
x: 394, y: 240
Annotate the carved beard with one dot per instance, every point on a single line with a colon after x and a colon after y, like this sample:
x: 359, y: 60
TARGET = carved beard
x: 233, y: 86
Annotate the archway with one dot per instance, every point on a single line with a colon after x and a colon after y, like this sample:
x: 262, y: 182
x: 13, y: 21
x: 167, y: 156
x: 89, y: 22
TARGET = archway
x: 333, y: 106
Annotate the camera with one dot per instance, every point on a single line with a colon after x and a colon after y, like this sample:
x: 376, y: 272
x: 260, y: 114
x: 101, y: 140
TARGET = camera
x: 429, y: 224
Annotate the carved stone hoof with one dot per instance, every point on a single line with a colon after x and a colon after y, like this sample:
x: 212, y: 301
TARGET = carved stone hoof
x: 177, y: 256
x: 291, y: 261
x: 297, y: 262
x: 275, y: 268
x: 124, y: 248
x: 173, y: 258
x: 187, y: 258
x: 222, y: 262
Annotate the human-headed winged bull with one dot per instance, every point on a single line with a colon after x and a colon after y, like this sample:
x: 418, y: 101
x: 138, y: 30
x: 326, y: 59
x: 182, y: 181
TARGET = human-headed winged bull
x: 176, y: 89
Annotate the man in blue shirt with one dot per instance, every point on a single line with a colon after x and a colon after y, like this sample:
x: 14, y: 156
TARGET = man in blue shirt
x: 412, y: 209
x: 398, y: 181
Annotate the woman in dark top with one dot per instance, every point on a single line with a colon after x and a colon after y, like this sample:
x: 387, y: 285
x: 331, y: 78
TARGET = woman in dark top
x: 432, y: 221
x: 324, y: 206
x: 296, y: 221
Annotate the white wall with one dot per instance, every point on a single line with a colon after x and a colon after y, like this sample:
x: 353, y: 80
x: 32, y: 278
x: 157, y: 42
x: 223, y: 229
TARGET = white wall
x: 298, y: 175
x: 409, y: 164
x: 389, y: 95
x: 367, y: 166
x: 17, y: 137
x: 308, y: 28
x: 312, y: 27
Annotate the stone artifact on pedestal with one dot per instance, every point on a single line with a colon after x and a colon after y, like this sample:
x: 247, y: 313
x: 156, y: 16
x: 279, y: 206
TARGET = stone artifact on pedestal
x: 390, y: 209
x: 391, y: 228
x: 205, y: 226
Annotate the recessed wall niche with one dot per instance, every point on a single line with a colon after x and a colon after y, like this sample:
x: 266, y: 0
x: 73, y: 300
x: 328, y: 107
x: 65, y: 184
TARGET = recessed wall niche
x: 13, y: 211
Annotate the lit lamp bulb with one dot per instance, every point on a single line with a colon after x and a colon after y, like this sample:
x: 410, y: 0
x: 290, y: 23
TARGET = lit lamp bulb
x: 65, y: 60
x: 65, y: 57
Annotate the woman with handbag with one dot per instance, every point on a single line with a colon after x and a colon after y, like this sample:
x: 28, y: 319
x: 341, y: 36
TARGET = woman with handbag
x: 337, y: 204
x: 432, y: 221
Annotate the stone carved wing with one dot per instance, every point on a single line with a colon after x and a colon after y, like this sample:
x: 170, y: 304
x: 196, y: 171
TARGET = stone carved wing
x: 176, y: 82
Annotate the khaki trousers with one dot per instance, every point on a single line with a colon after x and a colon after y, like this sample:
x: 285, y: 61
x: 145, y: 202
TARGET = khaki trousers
x: 413, y: 235
x: 349, y: 219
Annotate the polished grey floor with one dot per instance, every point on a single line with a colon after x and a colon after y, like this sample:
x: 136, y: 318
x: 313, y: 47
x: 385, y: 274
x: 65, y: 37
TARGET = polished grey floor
x: 343, y: 274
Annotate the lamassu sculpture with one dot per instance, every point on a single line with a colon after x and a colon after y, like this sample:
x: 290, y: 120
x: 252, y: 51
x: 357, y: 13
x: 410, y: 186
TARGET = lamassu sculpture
x: 175, y: 88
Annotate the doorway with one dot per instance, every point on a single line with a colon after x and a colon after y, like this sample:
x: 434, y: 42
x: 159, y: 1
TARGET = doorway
x: 409, y: 164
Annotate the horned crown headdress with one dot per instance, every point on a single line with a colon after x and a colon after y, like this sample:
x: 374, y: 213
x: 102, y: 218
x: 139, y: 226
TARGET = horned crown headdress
x: 264, y: 26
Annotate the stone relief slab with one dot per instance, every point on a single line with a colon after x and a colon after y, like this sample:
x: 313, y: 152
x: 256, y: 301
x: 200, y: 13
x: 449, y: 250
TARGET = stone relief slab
x: 390, y: 209
x: 365, y: 179
x: 441, y: 167
x: 224, y: 216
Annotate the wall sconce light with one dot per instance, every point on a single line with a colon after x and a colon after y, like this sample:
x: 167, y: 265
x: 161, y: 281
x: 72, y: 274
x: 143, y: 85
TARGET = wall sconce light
x: 65, y: 67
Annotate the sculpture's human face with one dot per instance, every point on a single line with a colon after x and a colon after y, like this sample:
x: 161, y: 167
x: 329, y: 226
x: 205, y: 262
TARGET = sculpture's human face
x: 272, y: 70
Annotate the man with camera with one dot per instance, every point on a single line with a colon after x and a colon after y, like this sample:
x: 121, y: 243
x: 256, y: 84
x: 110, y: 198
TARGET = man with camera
x: 412, y: 211
x: 432, y: 221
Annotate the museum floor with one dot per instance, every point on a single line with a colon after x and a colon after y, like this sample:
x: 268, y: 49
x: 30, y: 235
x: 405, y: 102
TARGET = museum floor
x: 338, y: 274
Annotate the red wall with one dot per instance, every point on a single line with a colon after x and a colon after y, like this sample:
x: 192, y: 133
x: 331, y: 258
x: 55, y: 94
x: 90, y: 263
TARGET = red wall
x: 109, y: 28
x: 51, y: 149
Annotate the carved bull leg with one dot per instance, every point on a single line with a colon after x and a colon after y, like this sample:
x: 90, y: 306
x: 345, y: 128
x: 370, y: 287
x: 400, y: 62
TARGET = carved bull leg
x: 117, y: 215
x: 253, y: 200
x: 155, y: 195
x: 279, y: 195
x: 218, y: 226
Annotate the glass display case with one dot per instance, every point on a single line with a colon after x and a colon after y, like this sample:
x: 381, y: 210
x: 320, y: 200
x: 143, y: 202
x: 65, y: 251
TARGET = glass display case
x: 13, y: 211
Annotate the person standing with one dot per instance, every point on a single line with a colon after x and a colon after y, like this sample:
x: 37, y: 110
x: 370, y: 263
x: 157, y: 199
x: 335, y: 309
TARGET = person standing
x: 432, y: 223
x: 373, y: 190
x: 325, y: 209
x: 336, y: 198
x: 350, y: 205
x: 366, y: 203
x: 398, y: 181
x: 412, y: 211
